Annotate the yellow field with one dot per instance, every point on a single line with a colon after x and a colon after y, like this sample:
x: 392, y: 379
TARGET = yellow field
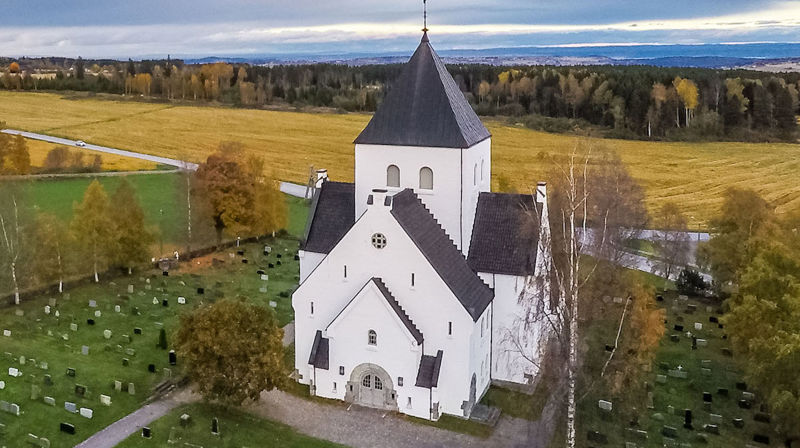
x: 693, y: 175
x: 39, y: 150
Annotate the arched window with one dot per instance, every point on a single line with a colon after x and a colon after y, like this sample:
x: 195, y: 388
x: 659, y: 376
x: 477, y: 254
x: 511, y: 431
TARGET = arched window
x: 378, y: 383
x: 372, y: 337
x: 392, y: 176
x: 367, y: 381
x: 426, y: 178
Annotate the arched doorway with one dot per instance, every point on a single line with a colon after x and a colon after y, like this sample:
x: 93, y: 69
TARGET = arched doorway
x: 371, y: 386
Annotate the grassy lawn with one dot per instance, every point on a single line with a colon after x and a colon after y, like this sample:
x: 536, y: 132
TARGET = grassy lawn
x: 694, y: 175
x: 677, y: 393
x: 237, y: 429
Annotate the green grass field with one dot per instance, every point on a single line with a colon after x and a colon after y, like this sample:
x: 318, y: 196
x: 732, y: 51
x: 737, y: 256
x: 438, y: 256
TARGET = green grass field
x: 237, y: 429
x: 694, y: 175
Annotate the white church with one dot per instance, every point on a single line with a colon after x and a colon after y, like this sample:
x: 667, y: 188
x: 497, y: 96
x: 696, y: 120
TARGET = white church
x: 411, y: 278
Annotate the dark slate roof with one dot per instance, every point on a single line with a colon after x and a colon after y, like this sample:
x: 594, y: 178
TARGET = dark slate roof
x: 441, y: 252
x: 428, y: 373
x: 401, y: 313
x: 424, y: 107
x: 332, y: 214
x: 319, y: 352
x: 505, y: 235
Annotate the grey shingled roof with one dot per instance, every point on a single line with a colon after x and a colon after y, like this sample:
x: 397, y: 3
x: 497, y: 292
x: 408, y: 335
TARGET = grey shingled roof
x: 401, y: 313
x: 424, y: 107
x: 319, y: 352
x: 505, y: 234
x: 441, y: 252
x: 332, y: 214
x: 428, y: 373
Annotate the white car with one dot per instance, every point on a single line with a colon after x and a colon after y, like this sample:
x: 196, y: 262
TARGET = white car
x: 80, y: 143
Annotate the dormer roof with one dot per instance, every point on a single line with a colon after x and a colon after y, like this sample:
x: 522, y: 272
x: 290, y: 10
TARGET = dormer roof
x: 424, y: 107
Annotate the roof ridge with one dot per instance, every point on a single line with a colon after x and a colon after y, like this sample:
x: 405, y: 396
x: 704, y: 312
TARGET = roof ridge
x: 387, y: 294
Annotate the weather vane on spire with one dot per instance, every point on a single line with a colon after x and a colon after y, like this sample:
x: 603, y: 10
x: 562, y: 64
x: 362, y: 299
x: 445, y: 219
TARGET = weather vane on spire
x: 425, y: 16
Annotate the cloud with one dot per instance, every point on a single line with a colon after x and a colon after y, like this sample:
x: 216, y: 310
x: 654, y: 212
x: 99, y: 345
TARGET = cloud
x: 287, y: 31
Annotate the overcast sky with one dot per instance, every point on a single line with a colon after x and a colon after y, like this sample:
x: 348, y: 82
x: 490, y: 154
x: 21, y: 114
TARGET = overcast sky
x: 139, y: 28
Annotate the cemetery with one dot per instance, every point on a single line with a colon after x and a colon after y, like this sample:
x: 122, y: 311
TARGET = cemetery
x: 193, y: 425
x: 74, y: 363
x: 691, y: 395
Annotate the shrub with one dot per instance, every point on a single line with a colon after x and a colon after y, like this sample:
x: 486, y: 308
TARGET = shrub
x: 690, y: 282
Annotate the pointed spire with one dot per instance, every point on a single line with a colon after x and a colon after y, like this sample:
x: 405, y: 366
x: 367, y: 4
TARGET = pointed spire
x: 425, y: 20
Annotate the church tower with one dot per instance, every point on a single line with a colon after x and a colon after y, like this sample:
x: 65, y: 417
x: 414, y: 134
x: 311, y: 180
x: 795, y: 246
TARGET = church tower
x: 425, y: 136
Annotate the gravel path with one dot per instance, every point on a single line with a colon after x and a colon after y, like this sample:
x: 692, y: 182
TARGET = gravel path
x: 359, y: 427
x: 132, y: 423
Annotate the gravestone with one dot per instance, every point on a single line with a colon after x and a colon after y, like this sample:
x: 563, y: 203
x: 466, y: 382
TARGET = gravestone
x: 715, y: 419
x: 749, y: 396
x: 181, y: 300
x: 70, y: 407
x: 131, y: 389
x: 85, y: 350
x: 727, y: 352
x: 118, y: 385
x: 669, y: 431
x: 678, y: 327
x: 130, y: 351
x: 117, y: 309
x: 105, y: 400
x: 167, y: 373
x: 14, y: 372
x: 107, y: 334
x: 741, y: 386
x: 127, y: 338
x: 130, y: 289
x: 155, y: 300
x: 744, y: 404
x: 73, y: 327
x: 674, y: 338
x: 706, y: 372
x: 173, y: 358
x: 22, y: 360
x: 702, y: 343
x: 50, y: 401
x: 760, y: 438
x: 137, y: 330
x: 738, y: 423
x: 86, y: 413
x: 71, y: 371
x: 687, y: 419
x: 125, y: 362
x: 698, y: 326
x: 722, y: 392
x: 7, y: 333
x: 47, y: 309
x: 90, y: 321
x: 92, y: 304
x: 201, y: 291
x: 13, y: 409
x: 273, y: 304
x: 80, y: 390
x: 151, y: 368
x: 185, y: 420
x: 48, y: 380
x: 52, y: 302
x: 35, y: 392
x: 605, y: 405
x: 146, y: 433
x: 713, y: 319
x: 165, y: 302
x: 707, y: 397
x: 2, y: 385
x: 19, y: 313
x: 215, y: 426
x: 67, y: 428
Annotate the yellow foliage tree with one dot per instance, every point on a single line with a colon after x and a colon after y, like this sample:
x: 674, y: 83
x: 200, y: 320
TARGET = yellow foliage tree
x: 689, y: 95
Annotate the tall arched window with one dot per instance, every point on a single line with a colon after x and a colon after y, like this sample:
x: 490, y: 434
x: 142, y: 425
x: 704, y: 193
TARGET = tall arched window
x: 372, y: 337
x: 392, y: 176
x: 426, y: 178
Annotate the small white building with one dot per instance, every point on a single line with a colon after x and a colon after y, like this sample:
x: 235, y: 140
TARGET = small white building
x: 411, y: 278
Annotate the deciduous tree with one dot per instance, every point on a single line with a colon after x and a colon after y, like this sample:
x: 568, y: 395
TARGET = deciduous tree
x: 132, y: 239
x: 51, y: 242
x: 93, y: 227
x: 233, y: 350
x: 672, y: 240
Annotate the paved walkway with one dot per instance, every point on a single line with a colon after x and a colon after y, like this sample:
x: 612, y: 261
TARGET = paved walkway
x: 120, y: 152
x: 132, y: 423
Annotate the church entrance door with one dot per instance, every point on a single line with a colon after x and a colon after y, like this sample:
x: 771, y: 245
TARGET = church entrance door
x: 373, y: 392
x: 371, y: 386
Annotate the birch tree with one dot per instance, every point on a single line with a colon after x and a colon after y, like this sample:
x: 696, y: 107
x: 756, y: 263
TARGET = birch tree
x: 11, y: 234
x: 672, y: 240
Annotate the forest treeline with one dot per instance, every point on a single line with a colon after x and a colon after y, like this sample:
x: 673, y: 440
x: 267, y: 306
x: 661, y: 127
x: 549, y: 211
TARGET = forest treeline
x: 637, y: 102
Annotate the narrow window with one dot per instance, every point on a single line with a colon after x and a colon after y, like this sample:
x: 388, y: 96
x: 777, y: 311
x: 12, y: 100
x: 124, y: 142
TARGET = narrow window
x: 475, y: 175
x: 378, y: 383
x: 334, y: 386
x: 312, y: 308
x: 400, y: 381
x: 392, y: 176
x: 367, y: 381
x: 409, y: 402
x: 481, y: 327
x: 426, y: 178
x: 449, y: 328
x: 412, y: 279
x: 345, y: 271
x: 372, y: 337
x: 341, y: 370
x: 482, y: 170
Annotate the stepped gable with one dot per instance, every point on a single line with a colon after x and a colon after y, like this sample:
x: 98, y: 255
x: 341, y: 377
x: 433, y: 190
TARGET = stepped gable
x: 441, y: 252
x: 424, y: 107
x: 332, y: 215
x: 428, y: 373
x: 401, y: 313
x: 505, y: 236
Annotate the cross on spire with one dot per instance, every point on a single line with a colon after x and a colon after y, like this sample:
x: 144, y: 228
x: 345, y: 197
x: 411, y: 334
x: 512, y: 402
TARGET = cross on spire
x: 425, y: 16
